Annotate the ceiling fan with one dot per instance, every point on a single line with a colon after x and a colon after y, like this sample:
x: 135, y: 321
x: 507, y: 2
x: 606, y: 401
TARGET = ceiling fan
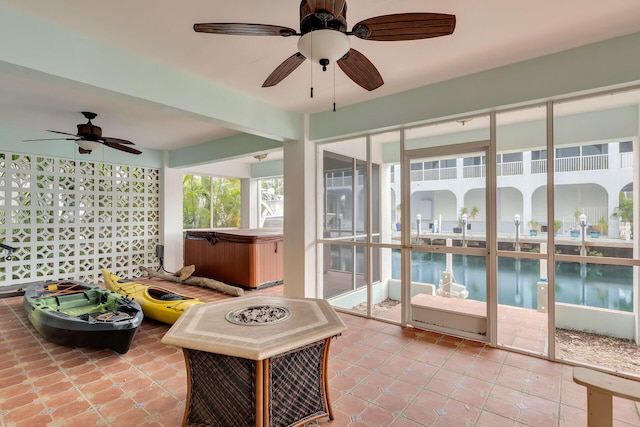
x: 324, y: 37
x: 89, y: 137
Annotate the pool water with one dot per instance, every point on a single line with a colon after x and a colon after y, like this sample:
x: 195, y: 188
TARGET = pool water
x: 594, y: 285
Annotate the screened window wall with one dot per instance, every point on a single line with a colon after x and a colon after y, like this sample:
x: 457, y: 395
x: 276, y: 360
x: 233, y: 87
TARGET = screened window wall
x: 541, y: 226
x: 596, y: 252
x: 360, y: 223
x: 523, y: 229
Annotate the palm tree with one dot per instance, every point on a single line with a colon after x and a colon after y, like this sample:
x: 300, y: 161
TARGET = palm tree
x: 624, y: 210
x: 195, y: 201
x: 474, y: 212
x: 225, y: 202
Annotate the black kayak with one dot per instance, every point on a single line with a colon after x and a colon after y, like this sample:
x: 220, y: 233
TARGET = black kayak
x: 81, y: 314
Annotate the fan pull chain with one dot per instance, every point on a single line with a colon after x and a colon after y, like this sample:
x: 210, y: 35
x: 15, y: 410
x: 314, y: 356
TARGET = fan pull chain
x: 311, y: 62
x: 334, y: 86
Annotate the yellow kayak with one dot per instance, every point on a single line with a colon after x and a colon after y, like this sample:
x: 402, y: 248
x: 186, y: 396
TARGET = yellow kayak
x: 157, y: 303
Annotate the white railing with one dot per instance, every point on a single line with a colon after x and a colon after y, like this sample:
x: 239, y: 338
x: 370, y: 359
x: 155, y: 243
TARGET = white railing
x: 448, y: 173
x: 341, y: 180
x: 417, y: 175
x: 337, y: 181
x: 476, y: 171
x: 509, y: 168
x: 596, y: 162
x: 539, y: 166
x: 584, y: 163
x: 626, y: 160
x: 593, y: 214
x: 568, y: 164
x: 434, y: 174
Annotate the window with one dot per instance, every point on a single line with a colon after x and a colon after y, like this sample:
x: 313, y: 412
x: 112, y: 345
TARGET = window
x: 626, y: 147
x: 567, y: 152
x: 449, y: 163
x: 509, y: 157
x: 271, y: 203
x: 594, y: 150
x: 474, y: 161
x: 209, y: 202
x: 539, y: 155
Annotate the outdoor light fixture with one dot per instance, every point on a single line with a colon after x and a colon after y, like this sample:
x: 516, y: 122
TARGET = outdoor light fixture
x: 583, y: 220
x: 516, y: 219
x: 583, y: 224
x: 419, y: 224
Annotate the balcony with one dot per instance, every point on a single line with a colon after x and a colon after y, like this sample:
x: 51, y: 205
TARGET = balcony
x: 578, y: 164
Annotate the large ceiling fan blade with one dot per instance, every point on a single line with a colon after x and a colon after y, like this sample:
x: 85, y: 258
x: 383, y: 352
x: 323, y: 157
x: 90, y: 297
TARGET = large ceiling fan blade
x: 359, y: 69
x: 122, y: 147
x: 115, y: 140
x: 50, y: 139
x: 244, y: 29
x: 284, y: 69
x: 334, y: 7
x: 63, y: 133
x: 405, y: 26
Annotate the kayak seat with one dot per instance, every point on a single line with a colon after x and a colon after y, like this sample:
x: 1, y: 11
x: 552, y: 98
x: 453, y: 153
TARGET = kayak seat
x: 170, y: 297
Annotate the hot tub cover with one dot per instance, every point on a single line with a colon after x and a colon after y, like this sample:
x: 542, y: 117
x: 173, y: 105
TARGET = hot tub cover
x: 241, y: 235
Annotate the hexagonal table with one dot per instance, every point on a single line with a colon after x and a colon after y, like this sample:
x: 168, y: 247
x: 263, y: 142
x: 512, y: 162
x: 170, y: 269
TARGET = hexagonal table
x: 258, y: 360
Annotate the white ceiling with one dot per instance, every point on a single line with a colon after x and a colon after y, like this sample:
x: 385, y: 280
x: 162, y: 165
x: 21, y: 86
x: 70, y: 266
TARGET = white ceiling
x: 489, y: 33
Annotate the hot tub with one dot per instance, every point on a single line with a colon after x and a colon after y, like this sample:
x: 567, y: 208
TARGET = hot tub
x: 251, y: 258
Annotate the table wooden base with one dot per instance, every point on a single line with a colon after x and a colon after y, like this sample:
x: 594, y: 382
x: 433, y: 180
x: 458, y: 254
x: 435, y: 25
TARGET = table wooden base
x: 288, y: 389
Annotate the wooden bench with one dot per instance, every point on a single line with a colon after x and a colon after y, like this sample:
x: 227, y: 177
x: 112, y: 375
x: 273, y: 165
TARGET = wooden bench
x: 601, y: 388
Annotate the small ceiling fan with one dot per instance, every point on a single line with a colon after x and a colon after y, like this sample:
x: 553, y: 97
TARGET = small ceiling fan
x: 324, y: 37
x: 89, y: 137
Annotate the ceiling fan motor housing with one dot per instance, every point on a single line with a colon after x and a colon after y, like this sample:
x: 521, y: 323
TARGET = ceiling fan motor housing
x: 324, y: 36
x: 322, y: 21
x: 89, y: 131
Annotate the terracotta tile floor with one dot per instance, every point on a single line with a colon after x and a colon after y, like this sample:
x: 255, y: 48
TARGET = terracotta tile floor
x: 380, y: 375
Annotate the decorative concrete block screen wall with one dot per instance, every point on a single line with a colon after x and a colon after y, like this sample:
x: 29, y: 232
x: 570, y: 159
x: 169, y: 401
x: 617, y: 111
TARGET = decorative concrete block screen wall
x: 69, y: 218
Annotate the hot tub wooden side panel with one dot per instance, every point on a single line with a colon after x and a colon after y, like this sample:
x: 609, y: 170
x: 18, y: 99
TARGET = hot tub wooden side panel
x: 245, y: 264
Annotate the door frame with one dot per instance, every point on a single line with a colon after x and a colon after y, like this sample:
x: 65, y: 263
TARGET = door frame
x: 485, y: 147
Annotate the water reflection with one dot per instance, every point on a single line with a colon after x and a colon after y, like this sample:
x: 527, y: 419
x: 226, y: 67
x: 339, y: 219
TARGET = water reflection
x: 518, y: 296
x: 604, y: 286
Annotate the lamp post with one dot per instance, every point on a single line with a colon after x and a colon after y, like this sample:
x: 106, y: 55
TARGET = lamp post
x: 419, y: 224
x: 464, y: 230
x: 516, y: 221
x: 583, y: 224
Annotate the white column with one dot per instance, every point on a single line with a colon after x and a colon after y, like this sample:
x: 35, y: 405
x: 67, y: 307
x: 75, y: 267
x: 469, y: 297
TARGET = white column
x: 170, y: 227
x: 249, y: 209
x: 299, y: 217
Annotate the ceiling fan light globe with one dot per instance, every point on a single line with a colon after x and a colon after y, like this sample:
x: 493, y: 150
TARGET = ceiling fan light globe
x: 324, y: 44
x: 88, y: 145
